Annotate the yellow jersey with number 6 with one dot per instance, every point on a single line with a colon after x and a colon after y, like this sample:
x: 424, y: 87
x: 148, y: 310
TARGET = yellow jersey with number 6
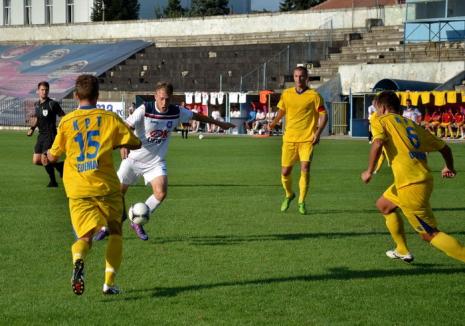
x: 88, y: 138
x: 405, y: 144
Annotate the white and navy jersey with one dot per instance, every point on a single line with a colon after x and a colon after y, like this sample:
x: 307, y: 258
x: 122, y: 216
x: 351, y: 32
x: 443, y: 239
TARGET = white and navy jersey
x: 154, y: 128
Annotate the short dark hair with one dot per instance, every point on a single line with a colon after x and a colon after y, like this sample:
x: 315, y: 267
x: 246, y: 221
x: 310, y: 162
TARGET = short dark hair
x: 166, y: 86
x: 302, y: 69
x: 43, y: 83
x: 408, y: 100
x: 390, y: 100
x: 87, y: 87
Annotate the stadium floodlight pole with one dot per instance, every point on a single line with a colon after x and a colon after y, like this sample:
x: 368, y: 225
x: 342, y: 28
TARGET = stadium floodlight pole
x: 221, y: 82
x: 103, y: 10
x: 240, y: 85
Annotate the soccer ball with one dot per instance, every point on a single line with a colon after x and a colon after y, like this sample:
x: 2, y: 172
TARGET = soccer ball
x: 200, y: 137
x: 139, y: 213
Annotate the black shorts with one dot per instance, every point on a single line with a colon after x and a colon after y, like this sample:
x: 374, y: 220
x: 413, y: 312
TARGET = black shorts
x: 44, y: 142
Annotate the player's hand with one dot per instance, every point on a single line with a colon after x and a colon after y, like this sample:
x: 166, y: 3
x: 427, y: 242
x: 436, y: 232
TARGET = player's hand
x: 123, y: 152
x: 316, y: 139
x: 30, y: 132
x: 448, y: 173
x: 45, y: 160
x: 366, y: 176
x: 226, y: 125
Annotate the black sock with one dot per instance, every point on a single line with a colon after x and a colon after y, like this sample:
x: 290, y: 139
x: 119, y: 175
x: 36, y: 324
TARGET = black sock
x: 50, y: 172
x: 59, y: 167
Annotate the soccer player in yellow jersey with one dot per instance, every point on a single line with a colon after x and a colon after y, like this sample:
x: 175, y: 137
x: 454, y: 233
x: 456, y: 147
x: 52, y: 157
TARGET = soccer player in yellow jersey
x: 88, y: 137
x: 305, y: 115
x: 406, y: 145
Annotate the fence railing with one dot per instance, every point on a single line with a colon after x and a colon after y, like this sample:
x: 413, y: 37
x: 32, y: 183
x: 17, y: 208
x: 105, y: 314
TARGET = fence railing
x: 280, y: 64
x: 18, y: 112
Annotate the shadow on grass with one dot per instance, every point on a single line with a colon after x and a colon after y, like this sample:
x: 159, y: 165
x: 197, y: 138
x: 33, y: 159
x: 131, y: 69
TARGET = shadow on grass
x: 216, y: 240
x: 226, y: 240
x: 338, y: 274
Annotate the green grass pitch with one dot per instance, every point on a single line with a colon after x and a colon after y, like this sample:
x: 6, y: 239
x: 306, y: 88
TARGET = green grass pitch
x: 221, y: 253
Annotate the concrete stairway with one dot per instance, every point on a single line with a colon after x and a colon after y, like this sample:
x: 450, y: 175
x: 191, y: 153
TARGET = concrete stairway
x: 385, y: 44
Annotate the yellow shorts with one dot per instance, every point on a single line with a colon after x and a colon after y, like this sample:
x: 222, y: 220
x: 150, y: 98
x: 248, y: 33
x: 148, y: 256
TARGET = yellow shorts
x: 445, y: 124
x: 92, y: 213
x: 293, y: 152
x: 413, y: 200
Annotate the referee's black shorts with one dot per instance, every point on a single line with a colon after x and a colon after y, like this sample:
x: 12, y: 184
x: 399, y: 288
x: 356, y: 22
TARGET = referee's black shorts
x: 44, y: 142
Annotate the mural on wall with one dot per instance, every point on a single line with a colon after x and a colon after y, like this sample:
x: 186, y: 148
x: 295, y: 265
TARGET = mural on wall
x: 23, y: 67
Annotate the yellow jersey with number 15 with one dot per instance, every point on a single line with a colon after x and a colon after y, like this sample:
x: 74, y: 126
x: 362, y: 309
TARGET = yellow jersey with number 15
x: 88, y: 138
x: 405, y: 144
x: 302, y: 112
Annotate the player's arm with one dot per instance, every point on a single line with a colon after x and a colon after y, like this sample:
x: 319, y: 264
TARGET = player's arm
x: 58, y: 109
x: 375, y: 152
x: 203, y: 118
x: 279, y: 115
x: 322, y: 121
x: 448, y: 171
x: 33, y: 126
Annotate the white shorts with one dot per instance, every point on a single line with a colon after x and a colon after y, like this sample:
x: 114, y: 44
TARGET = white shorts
x: 130, y: 170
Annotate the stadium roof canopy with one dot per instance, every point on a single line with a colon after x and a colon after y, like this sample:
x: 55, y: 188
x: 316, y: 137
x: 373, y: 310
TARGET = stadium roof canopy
x: 403, y: 85
x: 23, y: 67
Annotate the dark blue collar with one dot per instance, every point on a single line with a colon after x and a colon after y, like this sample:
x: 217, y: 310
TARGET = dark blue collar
x: 88, y: 107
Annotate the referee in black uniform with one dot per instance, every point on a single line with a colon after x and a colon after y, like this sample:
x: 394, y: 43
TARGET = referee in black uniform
x: 45, y: 116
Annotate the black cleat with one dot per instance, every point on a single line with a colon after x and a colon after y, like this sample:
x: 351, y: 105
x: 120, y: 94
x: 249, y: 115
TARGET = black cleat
x: 52, y: 184
x: 77, y: 281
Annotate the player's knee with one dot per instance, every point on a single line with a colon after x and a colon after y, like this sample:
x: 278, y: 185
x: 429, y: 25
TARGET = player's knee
x: 285, y: 171
x: 428, y: 236
x: 383, y: 208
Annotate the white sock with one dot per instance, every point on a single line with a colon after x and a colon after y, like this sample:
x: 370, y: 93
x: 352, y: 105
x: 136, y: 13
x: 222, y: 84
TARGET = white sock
x: 152, y: 203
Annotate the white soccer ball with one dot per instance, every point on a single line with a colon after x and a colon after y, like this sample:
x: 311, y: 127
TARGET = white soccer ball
x: 139, y: 213
x: 200, y: 137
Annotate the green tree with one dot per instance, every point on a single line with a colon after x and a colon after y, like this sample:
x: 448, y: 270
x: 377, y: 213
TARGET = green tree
x: 287, y: 5
x: 290, y: 5
x: 174, y: 9
x: 109, y: 10
x: 209, y: 7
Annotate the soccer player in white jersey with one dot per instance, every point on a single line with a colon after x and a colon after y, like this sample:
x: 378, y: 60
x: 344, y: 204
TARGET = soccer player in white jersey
x: 153, y: 123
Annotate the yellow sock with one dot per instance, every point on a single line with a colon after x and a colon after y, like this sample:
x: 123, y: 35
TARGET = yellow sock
x: 303, y: 186
x: 449, y: 245
x: 395, y: 225
x: 287, y: 184
x: 80, y: 249
x: 113, y: 257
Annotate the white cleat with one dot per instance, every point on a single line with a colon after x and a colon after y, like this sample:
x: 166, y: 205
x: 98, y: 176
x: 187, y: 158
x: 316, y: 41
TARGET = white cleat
x: 393, y: 254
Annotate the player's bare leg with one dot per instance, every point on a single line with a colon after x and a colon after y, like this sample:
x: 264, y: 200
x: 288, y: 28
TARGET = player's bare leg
x: 395, y: 226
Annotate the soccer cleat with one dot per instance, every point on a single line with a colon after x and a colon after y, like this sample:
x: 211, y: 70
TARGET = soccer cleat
x: 52, y: 184
x: 302, y: 209
x: 286, y: 202
x: 101, y: 234
x: 78, y: 277
x: 110, y: 290
x: 140, y: 231
x: 393, y: 254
